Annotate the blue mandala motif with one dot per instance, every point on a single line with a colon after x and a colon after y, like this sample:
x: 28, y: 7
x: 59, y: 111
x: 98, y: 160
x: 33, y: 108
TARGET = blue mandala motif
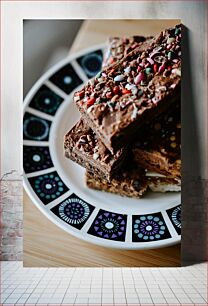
x: 48, y: 187
x: 149, y: 228
x: 91, y: 63
x: 73, y: 211
x: 35, y: 128
x: 66, y: 79
x: 109, y: 225
x: 175, y: 217
x: 36, y: 158
x: 47, y: 101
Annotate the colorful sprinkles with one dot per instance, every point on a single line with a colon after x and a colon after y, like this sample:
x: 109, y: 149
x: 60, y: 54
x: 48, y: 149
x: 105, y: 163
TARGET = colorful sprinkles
x: 132, y: 81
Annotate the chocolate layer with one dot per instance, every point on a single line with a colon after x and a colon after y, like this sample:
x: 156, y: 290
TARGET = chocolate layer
x: 139, y: 87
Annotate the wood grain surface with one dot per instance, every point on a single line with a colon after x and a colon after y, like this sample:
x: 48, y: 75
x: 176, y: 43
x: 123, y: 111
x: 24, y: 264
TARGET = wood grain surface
x: 45, y: 244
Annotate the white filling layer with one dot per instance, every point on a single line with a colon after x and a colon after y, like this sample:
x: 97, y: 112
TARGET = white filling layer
x: 153, y: 174
x: 164, y: 187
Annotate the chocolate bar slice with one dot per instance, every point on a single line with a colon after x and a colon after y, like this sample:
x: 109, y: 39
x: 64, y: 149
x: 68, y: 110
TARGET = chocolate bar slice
x: 96, y: 157
x: 139, y: 87
x: 158, y: 147
x: 130, y: 182
x: 119, y: 47
x: 82, y: 146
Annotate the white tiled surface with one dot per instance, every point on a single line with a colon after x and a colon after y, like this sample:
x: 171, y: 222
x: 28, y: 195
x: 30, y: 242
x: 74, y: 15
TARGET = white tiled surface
x: 103, y: 286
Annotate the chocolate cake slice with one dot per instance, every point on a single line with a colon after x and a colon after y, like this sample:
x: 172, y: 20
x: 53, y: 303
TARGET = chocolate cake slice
x: 143, y: 84
x: 153, y: 161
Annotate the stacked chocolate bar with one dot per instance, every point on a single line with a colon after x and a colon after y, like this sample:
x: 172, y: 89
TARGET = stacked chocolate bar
x: 128, y: 137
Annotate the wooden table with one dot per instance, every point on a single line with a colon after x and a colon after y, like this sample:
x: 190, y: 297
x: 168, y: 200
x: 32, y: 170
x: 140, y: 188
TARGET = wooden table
x: 45, y: 244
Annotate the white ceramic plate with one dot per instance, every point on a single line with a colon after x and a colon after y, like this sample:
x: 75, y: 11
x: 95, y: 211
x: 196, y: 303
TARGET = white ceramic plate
x: 56, y: 184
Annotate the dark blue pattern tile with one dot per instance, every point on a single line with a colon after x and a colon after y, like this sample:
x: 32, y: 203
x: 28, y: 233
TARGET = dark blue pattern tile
x: 91, y: 63
x: 48, y: 187
x: 45, y: 100
x: 109, y: 225
x: 35, y: 128
x: 36, y: 158
x: 175, y: 216
x: 73, y: 211
x: 149, y: 228
x: 66, y: 79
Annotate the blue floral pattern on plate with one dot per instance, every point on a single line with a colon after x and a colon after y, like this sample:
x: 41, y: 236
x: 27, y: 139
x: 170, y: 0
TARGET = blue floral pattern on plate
x: 175, y: 217
x: 36, y: 158
x: 46, y: 101
x: 91, y: 63
x: 109, y: 225
x: 149, y: 228
x: 73, y: 211
x: 48, y: 187
x: 35, y: 128
x: 66, y: 79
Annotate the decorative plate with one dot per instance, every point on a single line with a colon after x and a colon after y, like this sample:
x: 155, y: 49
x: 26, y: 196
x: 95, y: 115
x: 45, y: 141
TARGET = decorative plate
x: 56, y: 184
